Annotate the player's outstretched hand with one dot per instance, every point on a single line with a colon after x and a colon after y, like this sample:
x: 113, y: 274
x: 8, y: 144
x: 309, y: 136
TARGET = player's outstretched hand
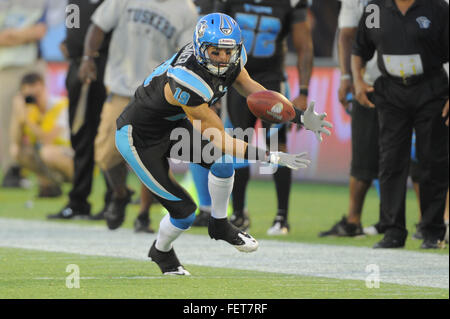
x: 293, y: 161
x: 315, y: 122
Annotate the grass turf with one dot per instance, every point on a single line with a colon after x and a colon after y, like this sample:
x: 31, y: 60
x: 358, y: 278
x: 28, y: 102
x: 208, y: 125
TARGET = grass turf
x: 35, y: 274
x: 313, y: 208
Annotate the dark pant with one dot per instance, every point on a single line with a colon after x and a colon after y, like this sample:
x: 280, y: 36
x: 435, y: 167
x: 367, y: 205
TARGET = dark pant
x: 400, y: 110
x: 364, y: 165
x: 83, y: 141
x: 151, y: 163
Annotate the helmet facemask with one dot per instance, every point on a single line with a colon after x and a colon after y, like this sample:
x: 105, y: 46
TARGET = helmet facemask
x: 219, y: 68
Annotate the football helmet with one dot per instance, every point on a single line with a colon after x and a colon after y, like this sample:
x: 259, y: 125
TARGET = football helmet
x: 221, y: 31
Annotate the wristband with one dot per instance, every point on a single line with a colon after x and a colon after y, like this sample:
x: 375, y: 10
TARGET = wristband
x: 304, y: 91
x: 346, y: 77
x: 87, y: 57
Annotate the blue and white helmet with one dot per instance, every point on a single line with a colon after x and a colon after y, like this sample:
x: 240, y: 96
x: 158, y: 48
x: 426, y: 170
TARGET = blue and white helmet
x: 221, y: 31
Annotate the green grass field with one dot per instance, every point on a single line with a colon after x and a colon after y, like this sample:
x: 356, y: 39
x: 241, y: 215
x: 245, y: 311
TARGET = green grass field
x: 33, y: 274
x: 313, y: 208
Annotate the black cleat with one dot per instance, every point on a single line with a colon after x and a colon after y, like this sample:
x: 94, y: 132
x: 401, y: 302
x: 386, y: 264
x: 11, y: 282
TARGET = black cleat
x: 115, y: 213
x: 70, y: 213
x: 390, y: 242
x: 12, y: 178
x: 167, y: 261
x: 433, y: 244
x: 418, y: 234
x: 241, y: 220
x: 343, y: 229
x: 202, y: 219
x: 222, y: 229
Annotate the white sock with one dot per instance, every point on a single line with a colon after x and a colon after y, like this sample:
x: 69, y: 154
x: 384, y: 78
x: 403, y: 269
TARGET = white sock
x: 220, y: 191
x: 167, y: 234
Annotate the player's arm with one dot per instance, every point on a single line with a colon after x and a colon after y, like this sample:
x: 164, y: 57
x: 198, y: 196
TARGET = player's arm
x: 210, y: 125
x: 302, y: 40
x: 245, y: 85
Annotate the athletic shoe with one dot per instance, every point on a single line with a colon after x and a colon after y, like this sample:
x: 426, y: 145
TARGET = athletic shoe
x: 343, y: 229
x: 13, y: 178
x: 390, y: 242
x: 222, y: 229
x: 202, y: 219
x: 115, y: 213
x: 167, y: 261
x: 70, y: 213
x: 433, y: 244
x: 241, y: 220
x: 280, y: 226
x: 142, y: 225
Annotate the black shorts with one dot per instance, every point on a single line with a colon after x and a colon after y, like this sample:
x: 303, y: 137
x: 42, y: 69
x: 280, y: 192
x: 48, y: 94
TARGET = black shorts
x: 365, y: 152
x: 151, y: 164
x: 241, y: 117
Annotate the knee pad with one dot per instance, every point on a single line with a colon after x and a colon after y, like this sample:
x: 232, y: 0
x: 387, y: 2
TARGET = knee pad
x: 183, y: 223
x: 223, y: 168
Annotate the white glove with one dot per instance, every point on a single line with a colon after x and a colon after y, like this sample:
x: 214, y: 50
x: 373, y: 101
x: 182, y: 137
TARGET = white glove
x: 314, y: 121
x: 293, y: 161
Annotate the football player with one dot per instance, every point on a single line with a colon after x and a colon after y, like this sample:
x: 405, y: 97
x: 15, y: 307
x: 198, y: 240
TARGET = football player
x: 159, y: 123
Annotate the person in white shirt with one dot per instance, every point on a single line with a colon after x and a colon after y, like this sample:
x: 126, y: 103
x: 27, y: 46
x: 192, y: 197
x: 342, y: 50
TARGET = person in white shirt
x: 144, y: 33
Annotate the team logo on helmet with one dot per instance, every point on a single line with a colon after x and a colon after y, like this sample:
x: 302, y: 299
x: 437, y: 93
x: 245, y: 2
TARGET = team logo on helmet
x: 225, y: 25
x: 202, y: 28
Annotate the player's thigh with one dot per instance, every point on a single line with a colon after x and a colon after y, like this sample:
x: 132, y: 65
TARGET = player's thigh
x: 152, y: 167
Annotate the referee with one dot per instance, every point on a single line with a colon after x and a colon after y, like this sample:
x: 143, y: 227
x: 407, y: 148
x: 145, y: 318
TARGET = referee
x: 411, y: 39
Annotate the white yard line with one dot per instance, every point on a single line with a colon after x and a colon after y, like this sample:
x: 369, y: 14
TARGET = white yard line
x: 341, y: 262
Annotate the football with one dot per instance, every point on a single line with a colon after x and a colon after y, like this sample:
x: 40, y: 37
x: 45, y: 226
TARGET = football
x: 271, y: 106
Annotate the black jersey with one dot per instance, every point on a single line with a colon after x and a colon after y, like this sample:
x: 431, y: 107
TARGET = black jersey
x: 265, y: 25
x: 152, y: 117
